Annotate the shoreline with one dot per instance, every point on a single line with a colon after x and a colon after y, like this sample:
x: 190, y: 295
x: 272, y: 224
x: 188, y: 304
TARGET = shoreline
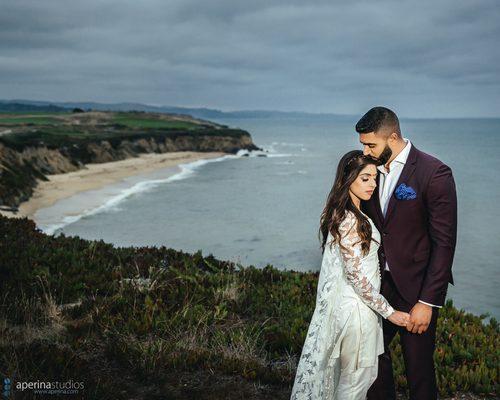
x: 98, y: 176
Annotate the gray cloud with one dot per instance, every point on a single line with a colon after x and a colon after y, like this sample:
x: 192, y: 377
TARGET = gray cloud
x: 422, y: 59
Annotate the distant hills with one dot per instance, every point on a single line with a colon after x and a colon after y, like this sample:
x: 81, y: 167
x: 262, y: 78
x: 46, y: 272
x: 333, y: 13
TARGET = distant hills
x: 23, y: 105
x: 204, y: 113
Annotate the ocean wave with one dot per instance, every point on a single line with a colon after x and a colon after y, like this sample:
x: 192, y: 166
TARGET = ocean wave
x: 272, y: 147
x: 289, y: 144
x: 269, y: 151
x: 258, y: 153
x: 279, y: 155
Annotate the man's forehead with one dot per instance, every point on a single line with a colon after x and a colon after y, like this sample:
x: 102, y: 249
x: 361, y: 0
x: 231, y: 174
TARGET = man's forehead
x: 368, y: 138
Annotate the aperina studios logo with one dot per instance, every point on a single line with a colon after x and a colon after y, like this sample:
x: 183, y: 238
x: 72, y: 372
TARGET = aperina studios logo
x: 68, y: 387
x: 6, y: 387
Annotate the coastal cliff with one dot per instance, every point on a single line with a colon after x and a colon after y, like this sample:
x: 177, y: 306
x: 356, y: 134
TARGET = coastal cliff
x: 32, y: 147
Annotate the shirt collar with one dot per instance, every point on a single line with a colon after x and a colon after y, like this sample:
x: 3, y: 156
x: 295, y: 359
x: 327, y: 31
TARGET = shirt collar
x: 400, y: 158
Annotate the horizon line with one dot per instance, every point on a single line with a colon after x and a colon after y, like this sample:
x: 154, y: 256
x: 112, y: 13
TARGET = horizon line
x: 55, y: 102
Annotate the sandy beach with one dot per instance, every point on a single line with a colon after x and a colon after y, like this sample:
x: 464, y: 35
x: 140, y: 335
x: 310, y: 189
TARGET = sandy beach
x: 97, y: 176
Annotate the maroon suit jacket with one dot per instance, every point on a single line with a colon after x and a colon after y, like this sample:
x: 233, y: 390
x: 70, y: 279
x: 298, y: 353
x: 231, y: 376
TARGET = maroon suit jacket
x: 419, y: 235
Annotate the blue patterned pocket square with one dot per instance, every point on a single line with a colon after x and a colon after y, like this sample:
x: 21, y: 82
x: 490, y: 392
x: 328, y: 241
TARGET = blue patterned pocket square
x: 404, y: 192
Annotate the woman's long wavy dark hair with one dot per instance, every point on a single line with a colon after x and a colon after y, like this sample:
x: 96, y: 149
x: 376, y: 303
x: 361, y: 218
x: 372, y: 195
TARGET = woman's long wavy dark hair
x: 339, y: 201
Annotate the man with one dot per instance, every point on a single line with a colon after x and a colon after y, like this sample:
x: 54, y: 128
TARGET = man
x: 415, y: 209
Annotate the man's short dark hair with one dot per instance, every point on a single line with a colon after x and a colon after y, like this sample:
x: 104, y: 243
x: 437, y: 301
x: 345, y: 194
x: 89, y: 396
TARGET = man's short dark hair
x: 377, y: 118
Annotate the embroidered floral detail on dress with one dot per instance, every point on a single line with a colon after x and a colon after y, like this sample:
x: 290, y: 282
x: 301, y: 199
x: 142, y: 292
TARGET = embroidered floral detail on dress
x: 352, y: 256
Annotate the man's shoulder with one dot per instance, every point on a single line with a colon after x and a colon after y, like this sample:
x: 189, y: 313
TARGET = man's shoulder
x: 428, y: 161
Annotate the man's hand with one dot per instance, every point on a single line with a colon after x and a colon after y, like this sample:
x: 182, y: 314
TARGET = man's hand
x: 420, y: 318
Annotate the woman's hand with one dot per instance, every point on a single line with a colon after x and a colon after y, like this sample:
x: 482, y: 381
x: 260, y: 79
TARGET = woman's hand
x: 399, y: 318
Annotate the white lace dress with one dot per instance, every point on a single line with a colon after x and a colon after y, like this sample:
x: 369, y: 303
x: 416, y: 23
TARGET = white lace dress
x: 339, y: 359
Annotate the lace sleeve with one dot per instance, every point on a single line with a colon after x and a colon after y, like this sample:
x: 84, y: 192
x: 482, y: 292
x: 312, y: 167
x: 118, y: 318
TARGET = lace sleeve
x: 352, y: 255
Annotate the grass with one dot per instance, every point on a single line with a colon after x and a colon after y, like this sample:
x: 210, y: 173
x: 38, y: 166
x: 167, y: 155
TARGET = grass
x: 133, y: 121
x: 59, y: 136
x: 152, y: 320
x: 126, y: 119
x: 38, y: 120
x: 41, y: 113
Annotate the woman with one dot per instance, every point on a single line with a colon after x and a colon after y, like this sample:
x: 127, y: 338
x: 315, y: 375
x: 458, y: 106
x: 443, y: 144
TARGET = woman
x: 339, y: 359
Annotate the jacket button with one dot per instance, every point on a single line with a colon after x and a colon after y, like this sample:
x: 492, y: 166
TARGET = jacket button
x: 385, y: 233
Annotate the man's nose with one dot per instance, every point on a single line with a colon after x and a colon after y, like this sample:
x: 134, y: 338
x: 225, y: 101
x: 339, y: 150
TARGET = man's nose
x: 366, y: 151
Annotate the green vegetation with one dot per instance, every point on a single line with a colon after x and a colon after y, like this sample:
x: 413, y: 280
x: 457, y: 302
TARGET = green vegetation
x: 56, y: 130
x: 7, y: 114
x: 38, y: 120
x: 137, y: 121
x: 149, y: 320
x: 57, y: 137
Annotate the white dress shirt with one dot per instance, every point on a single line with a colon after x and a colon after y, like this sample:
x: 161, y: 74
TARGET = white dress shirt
x: 387, y: 184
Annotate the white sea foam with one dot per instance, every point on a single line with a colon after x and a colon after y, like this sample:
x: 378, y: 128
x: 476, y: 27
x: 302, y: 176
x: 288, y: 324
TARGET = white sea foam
x: 273, y: 155
x: 291, y: 144
x: 270, y: 151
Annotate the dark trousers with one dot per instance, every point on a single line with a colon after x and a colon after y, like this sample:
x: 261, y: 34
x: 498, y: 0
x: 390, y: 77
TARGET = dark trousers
x: 418, y: 351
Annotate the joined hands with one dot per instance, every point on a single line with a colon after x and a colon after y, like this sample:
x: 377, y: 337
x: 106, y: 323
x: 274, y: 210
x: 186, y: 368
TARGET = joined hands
x: 399, y: 318
x: 417, y: 321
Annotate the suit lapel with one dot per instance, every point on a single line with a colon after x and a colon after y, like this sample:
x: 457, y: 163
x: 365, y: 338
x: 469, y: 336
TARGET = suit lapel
x: 376, y: 199
x: 406, y: 173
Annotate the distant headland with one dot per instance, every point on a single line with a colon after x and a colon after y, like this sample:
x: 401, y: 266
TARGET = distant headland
x: 41, y: 140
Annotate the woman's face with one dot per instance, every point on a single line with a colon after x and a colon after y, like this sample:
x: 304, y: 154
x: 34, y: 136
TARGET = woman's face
x: 365, y: 183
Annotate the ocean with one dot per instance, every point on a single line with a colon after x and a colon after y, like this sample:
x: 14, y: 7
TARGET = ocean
x: 265, y: 210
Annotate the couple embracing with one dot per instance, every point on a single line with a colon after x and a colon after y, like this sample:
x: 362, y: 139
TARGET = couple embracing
x: 388, y: 237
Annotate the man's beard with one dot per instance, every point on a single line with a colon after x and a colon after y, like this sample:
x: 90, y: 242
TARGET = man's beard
x: 384, y: 156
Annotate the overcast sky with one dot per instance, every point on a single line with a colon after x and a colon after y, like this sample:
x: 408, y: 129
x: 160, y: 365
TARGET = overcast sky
x: 423, y: 59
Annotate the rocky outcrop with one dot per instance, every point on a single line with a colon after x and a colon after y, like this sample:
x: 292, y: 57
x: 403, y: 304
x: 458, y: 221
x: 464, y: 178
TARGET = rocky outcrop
x: 20, y: 169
